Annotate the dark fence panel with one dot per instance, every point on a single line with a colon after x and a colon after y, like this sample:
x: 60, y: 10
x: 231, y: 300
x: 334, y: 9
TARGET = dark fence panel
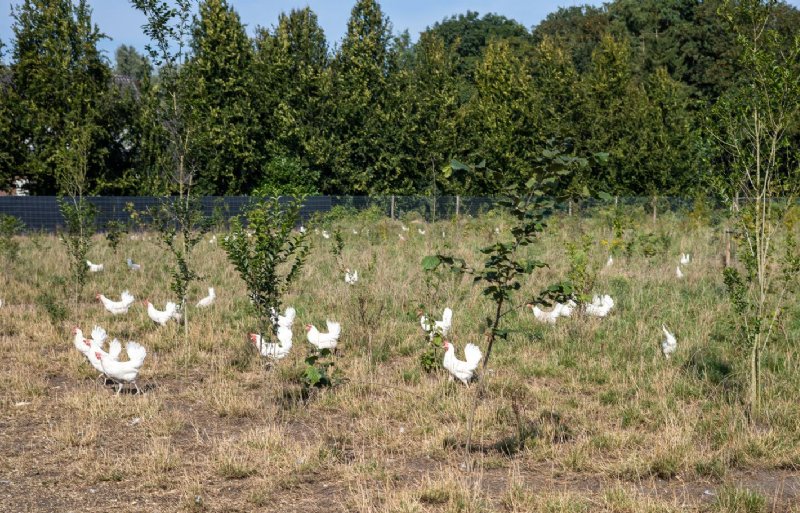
x: 42, y: 212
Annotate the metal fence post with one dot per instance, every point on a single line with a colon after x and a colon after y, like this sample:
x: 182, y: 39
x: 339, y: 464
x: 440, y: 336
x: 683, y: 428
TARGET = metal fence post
x: 391, y: 208
x: 458, y: 206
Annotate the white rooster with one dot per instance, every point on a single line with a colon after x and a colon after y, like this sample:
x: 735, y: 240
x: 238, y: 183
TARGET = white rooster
x: 127, y: 371
x: 94, y: 268
x: 669, y: 344
x: 600, y: 306
x: 678, y: 273
x: 327, y: 340
x: 685, y: 258
x: 117, y: 307
x: 350, y: 277
x: 159, y: 316
x: 441, y: 327
x: 462, y: 370
x: 208, y: 300
x: 271, y: 349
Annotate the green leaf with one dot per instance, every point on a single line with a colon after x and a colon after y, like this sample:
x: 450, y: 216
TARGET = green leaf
x: 430, y: 262
x: 312, y: 376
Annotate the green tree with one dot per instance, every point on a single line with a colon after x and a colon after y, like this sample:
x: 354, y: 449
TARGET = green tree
x: 434, y: 106
x: 751, y: 124
x: 360, y: 85
x: 58, y: 75
x: 500, y: 117
x: 130, y: 63
x: 219, y: 75
x: 291, y: 94
x: 613, y: 106
x: 469, y: 34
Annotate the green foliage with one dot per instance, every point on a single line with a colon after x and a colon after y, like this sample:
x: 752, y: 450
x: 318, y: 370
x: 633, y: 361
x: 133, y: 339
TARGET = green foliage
x: 648, y: 244
x: 60, y: 79
x: 54, y: 308
x: 320, y: 372
x: 181, y: 225
x: 582, y: 273
x: 10, y: 227
x: 268, y: 254
x: 287, y: 176
x: 79, y: 216
x: 431, y: 359
x: 219, y: 98
x: 115, y: 230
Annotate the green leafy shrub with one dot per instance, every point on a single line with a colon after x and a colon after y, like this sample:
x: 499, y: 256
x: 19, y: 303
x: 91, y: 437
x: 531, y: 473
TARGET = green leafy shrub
x: 10, y: 227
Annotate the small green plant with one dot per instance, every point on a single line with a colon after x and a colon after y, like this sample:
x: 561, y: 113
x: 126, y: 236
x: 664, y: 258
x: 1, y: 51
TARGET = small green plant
x: 582, y: 274
x: 79, y: 216
x: 54, y: 307
x: 10, y: 227
x: 181, y: 224
x: 261, y: 252
x: 320, y: 372
x: 648, y: 244
x: 115, y: 230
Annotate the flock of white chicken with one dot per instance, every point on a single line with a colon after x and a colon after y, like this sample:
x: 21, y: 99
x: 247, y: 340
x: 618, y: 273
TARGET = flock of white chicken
x: 107, y: 360
x: 602, y: 305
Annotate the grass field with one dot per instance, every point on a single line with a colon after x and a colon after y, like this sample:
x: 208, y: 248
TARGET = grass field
x: 609, y: 424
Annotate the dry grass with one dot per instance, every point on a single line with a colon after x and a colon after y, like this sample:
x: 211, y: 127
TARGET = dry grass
x: 611, y: 425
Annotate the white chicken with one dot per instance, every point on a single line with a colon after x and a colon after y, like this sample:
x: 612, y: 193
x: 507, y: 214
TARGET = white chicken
x: 600, y: 306
x: 127, y: 371
x: 326, y: 234
x: 159, y: 316
x: 208, y: 300
x: 421, y: 231
x: 610, y: 261
x: 133, y: 266
x: 286, y: 320
x: 547, y: 317
x: 678, y: 273
x: 355, y: 232
x: 350, y: 277
x: 213, y: 239
x: 462, y: 370
x: 271, y: 349
x: 117, y: 307
x: 94, y: 268
x: 685, y: 258
x: 327, y: 340
x: 302, y: 229
x: 88, y: 347
x: 566, y: 309
x: 404, y: 227
x: 441, y: 327
x: 400, y: 236
x: 669, y: 344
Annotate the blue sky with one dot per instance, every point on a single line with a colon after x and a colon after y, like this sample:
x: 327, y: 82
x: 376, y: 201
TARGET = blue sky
x: 123, y: 24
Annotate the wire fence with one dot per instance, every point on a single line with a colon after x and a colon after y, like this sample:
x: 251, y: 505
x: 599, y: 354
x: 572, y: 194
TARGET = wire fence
x: 42, y: 213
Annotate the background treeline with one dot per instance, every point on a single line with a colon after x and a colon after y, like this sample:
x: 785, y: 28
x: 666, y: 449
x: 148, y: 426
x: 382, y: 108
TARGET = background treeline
x: 288, y: 111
